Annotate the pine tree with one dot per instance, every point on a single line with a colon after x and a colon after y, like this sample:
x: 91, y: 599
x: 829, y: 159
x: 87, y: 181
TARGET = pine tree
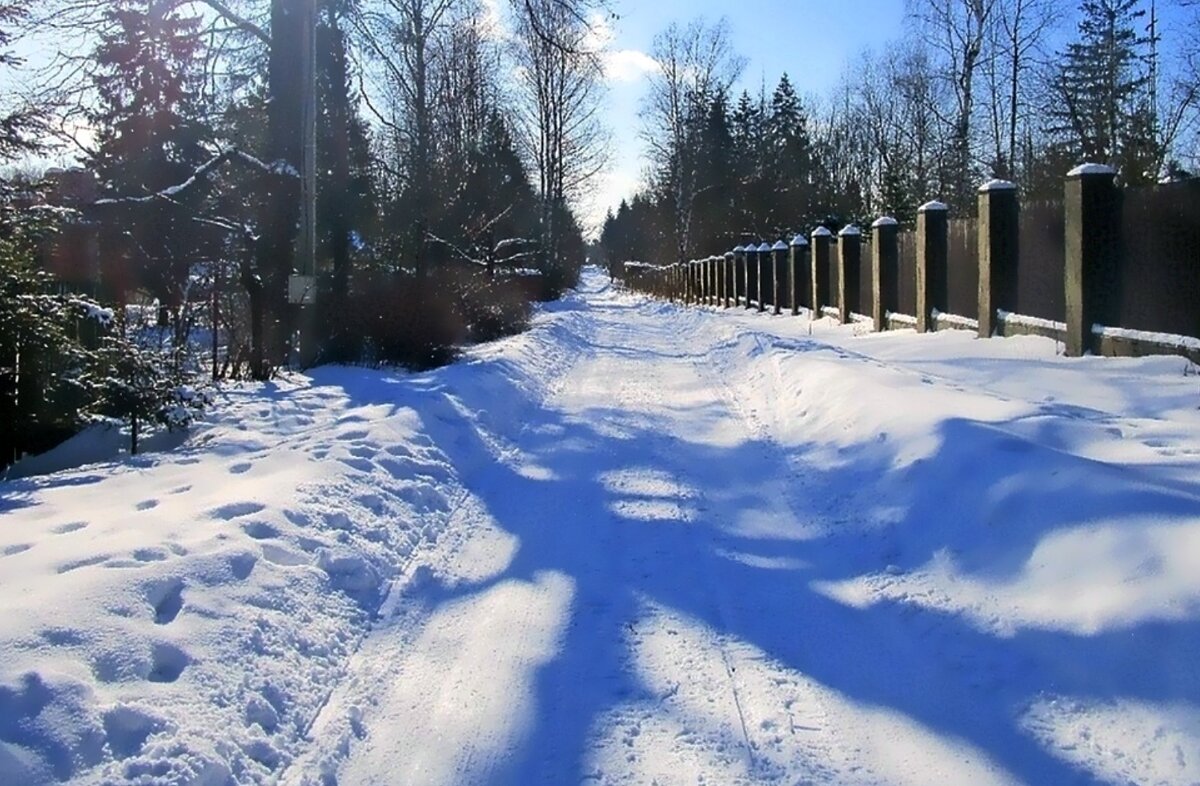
x: 149, y: 139
x: 1100, y: 87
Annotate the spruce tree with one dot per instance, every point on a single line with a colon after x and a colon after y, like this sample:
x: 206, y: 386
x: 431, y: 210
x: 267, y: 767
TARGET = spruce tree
x: 1100, y: 87
x: 789, y: 160
x: 150, y: 137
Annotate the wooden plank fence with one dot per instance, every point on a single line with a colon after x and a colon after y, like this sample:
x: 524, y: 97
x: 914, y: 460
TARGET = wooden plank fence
x: 1107, y: 270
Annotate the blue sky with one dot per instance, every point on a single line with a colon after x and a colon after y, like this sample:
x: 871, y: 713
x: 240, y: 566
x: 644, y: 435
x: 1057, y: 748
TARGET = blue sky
x: 810, y: 40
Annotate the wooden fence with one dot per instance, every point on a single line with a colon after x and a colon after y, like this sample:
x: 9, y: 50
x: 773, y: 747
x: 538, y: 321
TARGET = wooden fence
x: 1107, y: 270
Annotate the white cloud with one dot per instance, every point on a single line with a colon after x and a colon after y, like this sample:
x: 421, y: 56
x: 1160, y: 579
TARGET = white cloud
x: 628, y: 65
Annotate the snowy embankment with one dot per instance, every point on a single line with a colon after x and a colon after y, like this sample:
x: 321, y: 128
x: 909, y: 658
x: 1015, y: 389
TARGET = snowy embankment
x: 635, y: 543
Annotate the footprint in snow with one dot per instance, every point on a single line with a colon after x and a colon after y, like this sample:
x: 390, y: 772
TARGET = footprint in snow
x: 240, y: 468
x: 64, y: 529
x: 167, y: 663
x: 166, y: 598
x: 236, y: 510
x: 147, y: 504
x: 260, y: 530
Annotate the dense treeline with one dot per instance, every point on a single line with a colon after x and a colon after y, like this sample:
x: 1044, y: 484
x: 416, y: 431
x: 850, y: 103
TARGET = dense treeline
x: 1020, y: 90
x: 447, y: 149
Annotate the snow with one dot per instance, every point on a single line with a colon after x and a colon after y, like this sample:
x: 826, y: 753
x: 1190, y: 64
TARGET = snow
x: 1028, y: 321
x: 1165, y: 339
x: 955, y: 319
x: 764, y: 248
x: 997, y: 185
x: 1091, y: 169
x: 773, y: 551
x: 850, y: 231
x: 739, y: 249
x: 933, y: 206
x: 799, y: 240
x: 93, y: 311
x: 779, y: 246
x: 885, y: 221
x: 822, y: 232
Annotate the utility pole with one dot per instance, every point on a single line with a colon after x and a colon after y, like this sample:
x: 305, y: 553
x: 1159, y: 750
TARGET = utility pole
x: 308, y: 188
x: 302, y: 288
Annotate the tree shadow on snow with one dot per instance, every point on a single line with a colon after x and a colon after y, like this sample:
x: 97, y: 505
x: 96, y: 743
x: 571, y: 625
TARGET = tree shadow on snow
x: 986, y: 497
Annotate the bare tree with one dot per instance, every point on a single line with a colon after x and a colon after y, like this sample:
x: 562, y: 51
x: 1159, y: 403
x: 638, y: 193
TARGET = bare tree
x: 1016, y: 41
x: 559, y: 87
x: 959, y: 32
x: 696, y: 62
x: 399, y: 37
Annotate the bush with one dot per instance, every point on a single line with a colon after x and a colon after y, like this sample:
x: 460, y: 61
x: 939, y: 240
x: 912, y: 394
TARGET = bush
x: 44, y: 334
x: 140, y: 386
x: 396, y: 318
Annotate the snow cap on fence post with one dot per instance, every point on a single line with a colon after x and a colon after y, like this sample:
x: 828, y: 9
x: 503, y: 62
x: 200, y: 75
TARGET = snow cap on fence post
x: 998, y: 243
x: 1091, y: 275
x: 849, y: 267
x: 933, y: 256
x: 885, y: 269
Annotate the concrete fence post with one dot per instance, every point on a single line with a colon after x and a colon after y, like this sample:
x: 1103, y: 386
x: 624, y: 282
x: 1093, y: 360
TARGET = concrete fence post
x: 849, y: 271
x: 998, y: 244
x: 885, y: 269
x: 933, y: 245
x: 797, y: 271
x: 1092, y: 284
x: 714, y: 274
x: 730, y: 293
x: 715, y: 267
x: 822, y: 238
x: 739, y: 273
x: 751, y: 274
x: 764, y: 274
x: 779, y: 282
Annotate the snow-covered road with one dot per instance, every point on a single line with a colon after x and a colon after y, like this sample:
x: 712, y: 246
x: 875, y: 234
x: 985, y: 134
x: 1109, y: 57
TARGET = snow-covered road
x: 638, y: 544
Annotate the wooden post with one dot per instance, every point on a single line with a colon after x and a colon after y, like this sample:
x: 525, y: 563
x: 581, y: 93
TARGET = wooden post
x: 998, y: 244
x: 933, y: 245
x: 797, y: 272
x: 1092, y: 209
x: 885, y: 269
x: 849, y: 270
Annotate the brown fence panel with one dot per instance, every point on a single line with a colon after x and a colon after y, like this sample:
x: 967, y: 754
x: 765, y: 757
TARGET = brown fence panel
x: 1160, y: 259
x: 906, y: 283
x: 963, y: 273
x: 866, y: 294
x: 1041, y: 260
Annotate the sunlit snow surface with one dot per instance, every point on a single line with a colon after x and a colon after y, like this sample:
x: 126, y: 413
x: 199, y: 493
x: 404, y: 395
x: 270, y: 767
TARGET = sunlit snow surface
x: 638, y: 544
